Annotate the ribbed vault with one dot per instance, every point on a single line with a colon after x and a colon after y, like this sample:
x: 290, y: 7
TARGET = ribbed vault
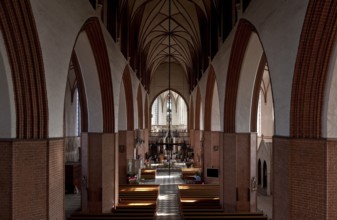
x: 150, y: 29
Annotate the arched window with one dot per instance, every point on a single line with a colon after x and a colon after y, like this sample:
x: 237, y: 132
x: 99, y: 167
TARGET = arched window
x: 265, y: 181
x: 259, y: 172
x: 161, y: 107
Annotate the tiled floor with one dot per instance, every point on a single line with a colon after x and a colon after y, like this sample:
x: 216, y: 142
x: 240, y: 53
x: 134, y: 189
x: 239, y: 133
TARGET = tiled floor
x: 168, y: 205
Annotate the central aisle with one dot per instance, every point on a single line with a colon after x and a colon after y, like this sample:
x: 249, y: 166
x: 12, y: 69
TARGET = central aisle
x: 168, y: 203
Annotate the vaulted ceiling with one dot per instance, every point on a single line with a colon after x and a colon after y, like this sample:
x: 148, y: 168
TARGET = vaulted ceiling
x: 166, y: 19
x: 186, y: 32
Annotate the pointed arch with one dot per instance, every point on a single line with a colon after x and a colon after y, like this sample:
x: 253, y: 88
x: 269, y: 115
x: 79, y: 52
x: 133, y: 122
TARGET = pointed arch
x: 264, y: 175
x: 256, y: 93
x: 94, y: 32
x: 172, y: 89
x: 27, y: 69
x: 129, y: 98
x: 241, y: 39
x: 146, y: 113
x: 197, y: 110
x: 259, y: 175
x: 140, y: 107
x: 122, y: 109
x: 317, y: 40
x: 209, y: 99
x: 191, y: 115
x: 81, y: 93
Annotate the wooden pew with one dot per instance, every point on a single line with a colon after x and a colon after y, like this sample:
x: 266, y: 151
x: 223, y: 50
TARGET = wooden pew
x: 228, y: 217
x: 113, y: 217
x: 136, y: 202
x: 138, y: 193
x: 202, y: 202
x: 133, y: 198
x: 221, y: 213
x: 199, y: 196
x: 148, y: 174
x: 187, y: 174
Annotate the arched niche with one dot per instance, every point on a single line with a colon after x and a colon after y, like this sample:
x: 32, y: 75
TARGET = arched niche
x: 178, y: 103
x: 248, y: 74
x: 140, y: 109
x: 122, y: 111
x: 212, y: 108
x: 91, y: 83
x: 191, y: 114
x: 129, y: 98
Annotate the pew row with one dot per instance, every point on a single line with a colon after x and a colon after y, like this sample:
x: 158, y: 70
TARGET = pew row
x: 199, y: 196
x: 136, y: 202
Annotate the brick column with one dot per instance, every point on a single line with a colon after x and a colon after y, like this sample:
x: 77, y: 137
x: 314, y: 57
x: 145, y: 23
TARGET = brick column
x: 331, y: 203
x: 304, y: 178
x: 197, y: 149
x: 229, y: 173
x: 192, y: 138
x: 32, y: 179
x: 207, y: 159
x: 280, y: 180
x: 123, y: 163
x: 239, y: 167
x: 211, y: 154
x: 100, y: 171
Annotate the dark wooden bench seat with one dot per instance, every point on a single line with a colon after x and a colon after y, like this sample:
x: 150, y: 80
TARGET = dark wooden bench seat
x: 122, y: 214
x: 221, y: 213
x: 199, y: 196
x: 88, y: 217
x: 148, y: 174
x: 115, y: 215
x: 187, y: 173
x: 205, y: 204
x: 212, y: 206
x: 136, y: 210
x: 133, y: 196
x: 227, y: 217
x: 127, y: 207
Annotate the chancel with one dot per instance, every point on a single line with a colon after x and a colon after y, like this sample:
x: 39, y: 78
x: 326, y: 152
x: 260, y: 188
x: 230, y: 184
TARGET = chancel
x: 168, y: 109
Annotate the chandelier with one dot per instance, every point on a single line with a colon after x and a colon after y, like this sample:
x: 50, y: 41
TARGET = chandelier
x: 169, y: 139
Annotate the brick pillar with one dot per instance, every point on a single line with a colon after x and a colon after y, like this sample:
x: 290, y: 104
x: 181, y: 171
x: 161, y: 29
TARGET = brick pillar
x: 280, y: 180
x: 304, y: 179
x: 331, y: 180
x: 123, y: 163
x: 130, y: 144
x: 229, y: 173
x: 207, y: 152
x: 6, y: 180
x: 56, y: 170
x: 146, y: 134
x: 197, y: 149
x: 239, y: 167
x: 211, y: 154
x: 192, y: 137
x: 100, y: 171
x: 32, y: 179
